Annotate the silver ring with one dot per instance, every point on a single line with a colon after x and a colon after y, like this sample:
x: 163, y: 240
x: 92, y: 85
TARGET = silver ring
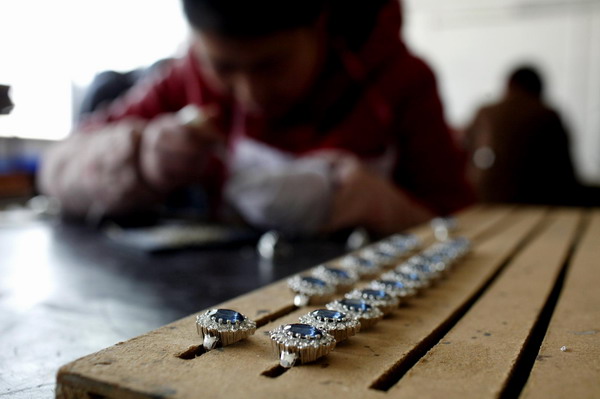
x: 404, y: 242
x: 302, y: 343
x: 410, y: 278
x: 224, y: 327
x: 359, y: 309
x: 441, y: 256
x: 421, y: 265
x: 378, y: 298
x: 388, y: 249
x: 336, y: 323
x: 393, y: 287
x: 442, y: 227
x: 310, y: 290
x: 441, y: 260
x: 379, y: 255
x: 364, y: 267
x: 459, y: 247
x: 342, y: 279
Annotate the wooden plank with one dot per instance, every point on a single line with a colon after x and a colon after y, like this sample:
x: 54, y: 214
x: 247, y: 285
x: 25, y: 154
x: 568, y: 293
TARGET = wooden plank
x: 477, y: 357
x: 148, y: 366
x: 484, y: 222
x: 575, y: 323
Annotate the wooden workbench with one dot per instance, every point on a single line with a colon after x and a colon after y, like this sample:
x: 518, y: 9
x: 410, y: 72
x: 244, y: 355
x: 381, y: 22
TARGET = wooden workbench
x: 519, y: 316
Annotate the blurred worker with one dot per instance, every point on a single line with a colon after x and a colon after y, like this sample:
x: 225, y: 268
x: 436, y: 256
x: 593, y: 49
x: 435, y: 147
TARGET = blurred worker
x: 310, y: 115
x: 519, y: 149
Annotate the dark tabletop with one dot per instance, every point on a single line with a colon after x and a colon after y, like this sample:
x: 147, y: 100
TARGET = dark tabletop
x: 67, y: 291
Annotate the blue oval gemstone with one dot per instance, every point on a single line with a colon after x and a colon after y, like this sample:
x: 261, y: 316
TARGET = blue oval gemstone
x: 304, y: 330
x: 314, y: 281
x: 424, y: 267
x: 337, y: 272
x: 384, y: 254
x: 399, y: 241
x: 227, y: 315
x: 357, y: 305
x: 403, y: 275
x: 401, y: 245
x: 393, y: 284
x: 412, y: 276
x: 375, y: 294
x: 436, y: 258
x: 365, y: 262
x: 328, y: 314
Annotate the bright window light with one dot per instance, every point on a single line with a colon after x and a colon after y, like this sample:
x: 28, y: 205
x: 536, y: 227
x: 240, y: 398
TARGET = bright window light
x: 50, y: 48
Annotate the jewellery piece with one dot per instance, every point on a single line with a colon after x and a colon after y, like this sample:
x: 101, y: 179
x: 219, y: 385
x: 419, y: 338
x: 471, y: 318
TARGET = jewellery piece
x: 380, y: 255
x: 443, y: 255
x: 359, y: 309
x: 439, y: 259
x: 393, y: 287
x: 423, y: 265
x: 409, y: 277
x: 269, y: 245
x: 364, y: 267
x: 391, y: 249
x: 310, y: 290
x: 442, y: 227
x: 378, y: 298
x: 455, y: 248
x: 300, y: 342
x: 459, y: 247
x: 224, y: 327
x: 336, y: 323
x: 403, y: 242
x: 342, y: 279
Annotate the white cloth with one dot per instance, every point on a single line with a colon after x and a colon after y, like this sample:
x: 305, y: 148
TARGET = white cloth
x: 275, y: 190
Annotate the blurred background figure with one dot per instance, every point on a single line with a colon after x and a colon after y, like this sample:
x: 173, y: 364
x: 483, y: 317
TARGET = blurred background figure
x: 518, y: 148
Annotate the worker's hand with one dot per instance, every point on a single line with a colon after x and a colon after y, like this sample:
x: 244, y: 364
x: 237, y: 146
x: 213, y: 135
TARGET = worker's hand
x: 175, y: 148
x: 353, y: 190
x: 364, y: 198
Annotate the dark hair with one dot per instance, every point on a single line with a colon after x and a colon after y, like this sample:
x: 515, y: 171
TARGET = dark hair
x: 353, y: 19
x: 527, y: 78
x: 240, y: 18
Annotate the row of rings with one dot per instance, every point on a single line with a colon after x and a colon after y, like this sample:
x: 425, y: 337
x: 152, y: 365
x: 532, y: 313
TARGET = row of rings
x: 325, y: 281
x: 226, y: 326
x: 342, y: 274
x: 321, y: 328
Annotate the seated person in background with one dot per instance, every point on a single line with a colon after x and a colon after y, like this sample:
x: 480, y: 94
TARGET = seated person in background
x: 309, y: 116
x: 519, y: 149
